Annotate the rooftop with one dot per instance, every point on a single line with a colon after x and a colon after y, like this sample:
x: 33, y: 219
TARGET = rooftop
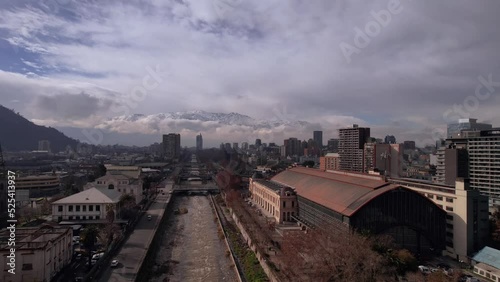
x: 92, y: 196
x: 271, y: 185
x: 488, y: 256
x: 343, y: 193
x: 34, y: 237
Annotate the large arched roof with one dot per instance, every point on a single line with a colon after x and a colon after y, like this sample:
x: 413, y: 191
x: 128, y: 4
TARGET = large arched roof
x: 342, y: 192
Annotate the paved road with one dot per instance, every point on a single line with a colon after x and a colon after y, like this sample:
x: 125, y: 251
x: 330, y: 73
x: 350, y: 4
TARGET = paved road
x: 134, y: 250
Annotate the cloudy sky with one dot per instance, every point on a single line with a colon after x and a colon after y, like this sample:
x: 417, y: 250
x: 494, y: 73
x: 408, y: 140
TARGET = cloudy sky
x: 400, y: 67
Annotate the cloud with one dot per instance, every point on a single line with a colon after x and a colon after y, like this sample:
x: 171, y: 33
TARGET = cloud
x: 252, y: 57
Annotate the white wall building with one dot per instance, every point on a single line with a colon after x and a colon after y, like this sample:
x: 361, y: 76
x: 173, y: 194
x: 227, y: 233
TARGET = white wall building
x: 124, y: 180
x: 88, y: 205
x: 41, y: 252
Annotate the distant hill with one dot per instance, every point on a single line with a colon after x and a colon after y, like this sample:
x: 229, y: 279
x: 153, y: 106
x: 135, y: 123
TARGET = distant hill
x: 18, y: 134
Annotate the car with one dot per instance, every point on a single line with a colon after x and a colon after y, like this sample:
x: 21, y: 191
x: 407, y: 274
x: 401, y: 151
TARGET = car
x: 424, y: 269
x: 78, y: 256
x: 97, y: 256
x: 114, y: 263
x: 149, y: 217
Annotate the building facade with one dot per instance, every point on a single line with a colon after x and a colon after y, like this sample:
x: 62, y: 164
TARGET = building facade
x: 318, y: 138
x: 172, y: 146
x: 468, y: 124
x: 88, y: 206
x: 41, y: 253
x: 333, y: 145
x: 330, y: 161
x: 340, y: 200
x: 39, y: 185
x: 467, y: 217
x: 274, y: 200
x: 128, y: 180
x: 199, y: 142
x: 351, y: 148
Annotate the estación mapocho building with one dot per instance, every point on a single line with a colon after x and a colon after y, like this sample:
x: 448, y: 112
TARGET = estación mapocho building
x: 355, y: 202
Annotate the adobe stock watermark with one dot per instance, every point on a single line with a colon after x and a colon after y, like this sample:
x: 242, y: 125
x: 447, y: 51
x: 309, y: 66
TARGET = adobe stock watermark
x: 484, y: 89
x: 363, y: 37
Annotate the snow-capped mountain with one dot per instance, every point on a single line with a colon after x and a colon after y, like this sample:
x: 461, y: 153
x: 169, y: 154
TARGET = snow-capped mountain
x: 221, y: 118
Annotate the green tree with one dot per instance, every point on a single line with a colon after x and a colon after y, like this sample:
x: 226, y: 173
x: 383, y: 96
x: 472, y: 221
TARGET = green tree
x: 127, y: 206
x: 89, y: 237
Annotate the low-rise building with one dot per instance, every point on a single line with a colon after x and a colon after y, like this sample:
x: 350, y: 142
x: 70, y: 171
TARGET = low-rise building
x: 39, y: 185
x: 274, y: 200
x: 88, y: 206
x: 41, y: 252
x: 123, y: 179
x: 487, y: 263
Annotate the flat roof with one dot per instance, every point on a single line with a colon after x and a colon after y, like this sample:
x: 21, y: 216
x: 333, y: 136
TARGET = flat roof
x: 345, y: 194
x: 488, y: 256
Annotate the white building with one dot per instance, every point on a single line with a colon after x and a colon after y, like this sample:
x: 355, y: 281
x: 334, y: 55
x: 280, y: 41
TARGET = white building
x: 123, y: 179
x: 87, y: 206
x: 41, y: 252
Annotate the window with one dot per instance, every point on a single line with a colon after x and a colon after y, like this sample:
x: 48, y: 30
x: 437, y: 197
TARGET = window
x: 97, y: 208
x: 70, y: 218
x: 60, y: 208
x: 97, y: 217
x: 27, y: 266
x: 439, y: 198
x: 77, y: 217
x: 449, y: 200
x: 91, y: 207
x: 449, y: 209
x: 84, y: 207
x: 293, y: 204
x: 70, y: 208
x: 111, y: 186
x: 91, y: 217
x: 59, y: 218
x: 430, y: 196
x: 449, y: 217
x: 77, y: 208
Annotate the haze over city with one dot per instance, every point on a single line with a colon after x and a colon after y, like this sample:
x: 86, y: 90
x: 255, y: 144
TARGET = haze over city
x: 399, y: 67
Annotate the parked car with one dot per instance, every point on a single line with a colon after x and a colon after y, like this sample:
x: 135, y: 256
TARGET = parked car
x: 424, y: 269
x: 114, y: 263
x: 149, y: 217
x: 97, y: 256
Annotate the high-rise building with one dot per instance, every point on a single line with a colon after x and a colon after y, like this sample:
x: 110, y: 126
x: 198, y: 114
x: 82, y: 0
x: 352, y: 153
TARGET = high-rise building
x: 390, y: 139
x: 409, y: 145
x: 469, y: 124
x: 258, y: 143
x: 386, y: 158
x: 244, y: 146
x: 293, y: 147
x: 199, y: 142
x: 484, y: 162
x: 227, y: 147
x: 333, y: 145
x: 172, y: 146
x: 318, y: 139
x: 351, y: 147
x: 44, y: 145
x: 235, y: 146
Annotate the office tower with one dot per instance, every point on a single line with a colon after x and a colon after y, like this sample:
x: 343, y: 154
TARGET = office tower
x: 222, y: 146
x: 409, y: 145
x: 258, y: 143
x: 172, y: 146
x: 293, y: 147
x: 318, y: 139
x: 244, y: 146
x: 351, y: 147
x: 385, y: 158
x: 44, y: 145
x: 227, y: 147
x: 235, y: 146
x: 333, y: 145
x: 390, y: 139
x: 469, y: 124
x: 199, y: 142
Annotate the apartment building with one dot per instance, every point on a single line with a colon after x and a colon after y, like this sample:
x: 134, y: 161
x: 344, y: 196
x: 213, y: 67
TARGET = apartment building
x: 351, y: 148
x: 330, y: 161
x: 172, y: 146
x: 41, y: 252
x: 467, y: 219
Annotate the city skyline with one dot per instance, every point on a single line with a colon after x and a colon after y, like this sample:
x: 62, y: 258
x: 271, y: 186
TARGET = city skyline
x: 109, y: 60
